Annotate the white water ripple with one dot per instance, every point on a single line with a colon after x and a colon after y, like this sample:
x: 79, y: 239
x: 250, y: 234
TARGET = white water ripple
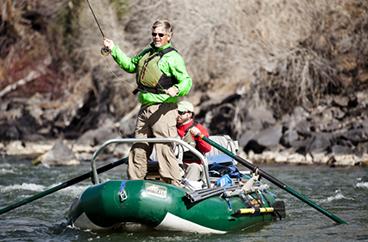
x: 74, y: 191
x: 4, y: 171
x: 23, y: 186
x: 362, y: 185
x: 5, y: 165
x: 337, y: 196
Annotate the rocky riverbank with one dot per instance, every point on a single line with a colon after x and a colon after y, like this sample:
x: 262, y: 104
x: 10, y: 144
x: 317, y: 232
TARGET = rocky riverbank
x: 57, y: 152
x: 334, y: 133
x: 288, y: 80
x: 49, y: 153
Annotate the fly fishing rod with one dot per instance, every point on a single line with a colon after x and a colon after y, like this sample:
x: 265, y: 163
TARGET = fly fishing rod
x: 104, y: 50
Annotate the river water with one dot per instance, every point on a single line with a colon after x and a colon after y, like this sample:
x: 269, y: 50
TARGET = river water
x: 342, y: 191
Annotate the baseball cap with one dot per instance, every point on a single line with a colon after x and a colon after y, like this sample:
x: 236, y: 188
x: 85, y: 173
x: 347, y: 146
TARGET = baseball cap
x: 185, y: 106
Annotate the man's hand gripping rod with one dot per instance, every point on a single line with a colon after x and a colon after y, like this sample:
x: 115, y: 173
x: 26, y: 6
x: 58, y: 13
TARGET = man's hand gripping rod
x: 104, y: 50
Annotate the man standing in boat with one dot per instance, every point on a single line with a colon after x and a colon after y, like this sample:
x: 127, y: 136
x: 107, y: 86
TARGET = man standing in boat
x: 190, y: 131
x: 161, y: 77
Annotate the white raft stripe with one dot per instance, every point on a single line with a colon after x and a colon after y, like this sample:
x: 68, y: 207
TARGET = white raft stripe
x: 83, y: 222
x: 175, y: 223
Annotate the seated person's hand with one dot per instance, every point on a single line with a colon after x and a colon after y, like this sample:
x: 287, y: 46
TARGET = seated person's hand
x: 195, y: 131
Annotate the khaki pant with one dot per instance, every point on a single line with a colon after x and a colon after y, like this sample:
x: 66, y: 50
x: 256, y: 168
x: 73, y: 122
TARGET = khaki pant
x: 155, y: 121
x: 193, y: 172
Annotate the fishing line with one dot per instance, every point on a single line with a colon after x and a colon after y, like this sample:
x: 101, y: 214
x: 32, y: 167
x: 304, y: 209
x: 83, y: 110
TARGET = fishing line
x: 132, y: 85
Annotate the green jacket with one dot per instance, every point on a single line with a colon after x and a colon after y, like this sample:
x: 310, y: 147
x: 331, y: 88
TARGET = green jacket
x: 172, y: 64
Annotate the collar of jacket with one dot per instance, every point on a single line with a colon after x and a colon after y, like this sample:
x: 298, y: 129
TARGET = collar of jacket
x: 160, y: 48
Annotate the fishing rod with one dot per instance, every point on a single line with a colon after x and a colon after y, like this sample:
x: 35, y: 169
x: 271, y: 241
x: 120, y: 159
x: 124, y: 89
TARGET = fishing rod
x: 104, y: 50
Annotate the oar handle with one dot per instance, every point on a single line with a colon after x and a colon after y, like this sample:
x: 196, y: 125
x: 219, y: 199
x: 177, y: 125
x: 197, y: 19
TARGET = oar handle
x: 274, y: 180
x: 61, y: 186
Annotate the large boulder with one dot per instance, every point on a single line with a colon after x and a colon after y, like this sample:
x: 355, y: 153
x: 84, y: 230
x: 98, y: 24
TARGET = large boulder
x: 59, y: 155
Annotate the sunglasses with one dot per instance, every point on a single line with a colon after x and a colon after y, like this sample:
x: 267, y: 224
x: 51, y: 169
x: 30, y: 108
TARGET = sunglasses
x: 182, y: 113
x: 159, y: 35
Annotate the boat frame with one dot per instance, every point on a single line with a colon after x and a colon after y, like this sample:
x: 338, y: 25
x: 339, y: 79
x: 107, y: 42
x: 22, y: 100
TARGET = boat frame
x: 204, y: 161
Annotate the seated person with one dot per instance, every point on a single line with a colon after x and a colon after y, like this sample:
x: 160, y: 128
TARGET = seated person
x: 189, y: 131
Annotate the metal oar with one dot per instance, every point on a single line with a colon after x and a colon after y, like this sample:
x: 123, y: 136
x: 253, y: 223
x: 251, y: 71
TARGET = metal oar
x: 275, y: 181
x: 62, y: 185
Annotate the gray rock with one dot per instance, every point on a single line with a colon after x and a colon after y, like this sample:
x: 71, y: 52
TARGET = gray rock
x: 269, y: 137
x: 100, y: 135
x: 319, y: 142
x: 356, y: 135
x: 340, y: 101
x: 246, y: 137
x: 60, y: 154
x: 340, y: 150
x: 262, y: 115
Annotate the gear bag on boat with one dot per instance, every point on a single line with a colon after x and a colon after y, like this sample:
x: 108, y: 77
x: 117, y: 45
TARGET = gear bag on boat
x: 220, y: 164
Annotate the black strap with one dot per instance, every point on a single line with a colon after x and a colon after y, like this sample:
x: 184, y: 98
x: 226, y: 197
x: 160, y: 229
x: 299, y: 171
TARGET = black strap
x: 159, y: 53
x: 165, y: 51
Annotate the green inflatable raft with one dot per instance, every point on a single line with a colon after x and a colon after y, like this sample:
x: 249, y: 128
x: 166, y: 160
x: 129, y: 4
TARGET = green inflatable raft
x: 243, y: 203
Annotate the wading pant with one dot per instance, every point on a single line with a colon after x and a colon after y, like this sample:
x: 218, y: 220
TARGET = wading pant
x: 157, y: 121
